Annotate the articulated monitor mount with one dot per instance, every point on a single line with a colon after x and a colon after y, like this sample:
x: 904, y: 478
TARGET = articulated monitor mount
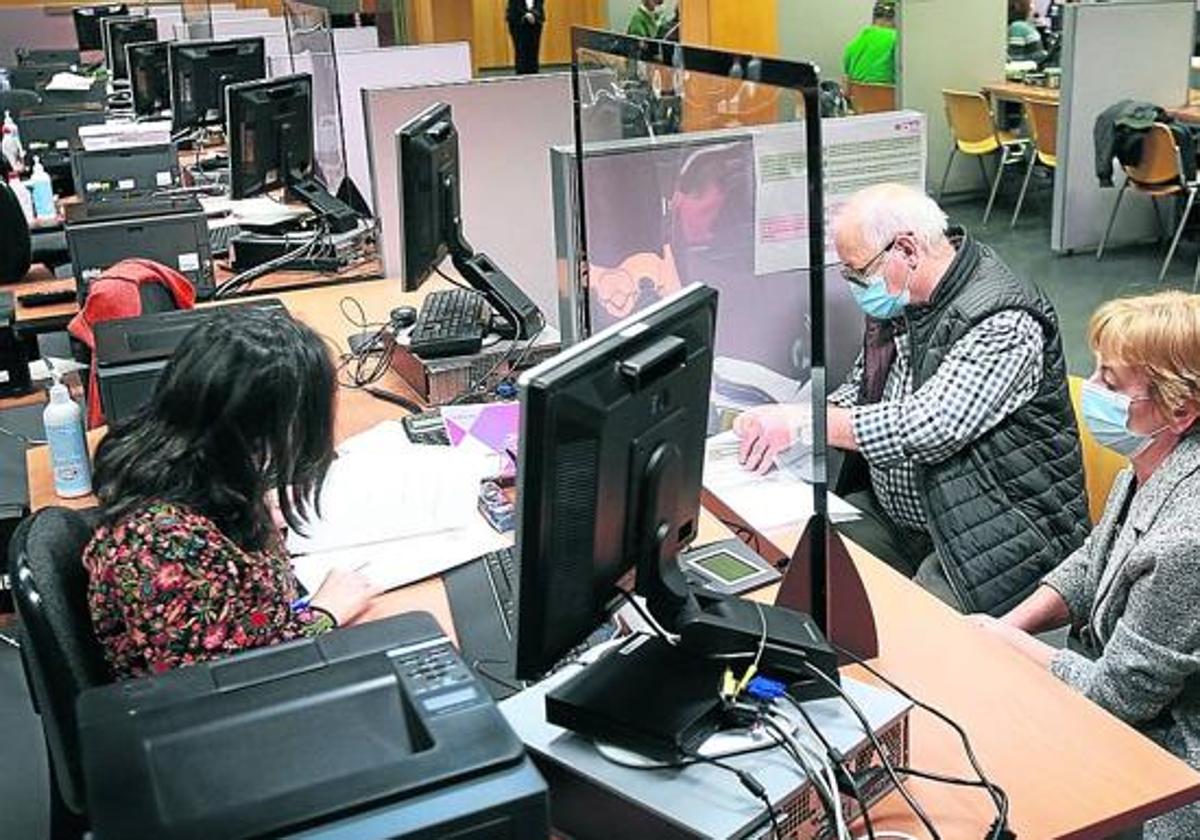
x: 520, y: 317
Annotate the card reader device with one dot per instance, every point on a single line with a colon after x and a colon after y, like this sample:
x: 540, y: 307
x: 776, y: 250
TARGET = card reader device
x: 373, y: 731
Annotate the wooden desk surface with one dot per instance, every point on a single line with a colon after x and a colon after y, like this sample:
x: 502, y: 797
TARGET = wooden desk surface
x: 1070, y: 769
x: 1017, y: 91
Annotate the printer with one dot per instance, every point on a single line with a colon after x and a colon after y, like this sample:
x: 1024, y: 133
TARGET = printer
x: 131, y: 352
x: 373, y: 731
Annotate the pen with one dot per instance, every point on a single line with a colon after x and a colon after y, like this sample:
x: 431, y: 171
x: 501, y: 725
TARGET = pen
x: 301, y: 603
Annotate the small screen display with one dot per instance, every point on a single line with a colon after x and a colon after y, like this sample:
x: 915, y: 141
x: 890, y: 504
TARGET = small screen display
x: 726, y: 567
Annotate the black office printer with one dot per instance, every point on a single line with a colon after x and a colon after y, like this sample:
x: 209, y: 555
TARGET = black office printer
x: 373, y: 731
x: 132, y: 352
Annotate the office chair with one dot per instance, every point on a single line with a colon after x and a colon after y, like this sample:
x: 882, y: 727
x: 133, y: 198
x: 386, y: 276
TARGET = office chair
x: 871, y: 99
x: 59, y: 652
x: 1042, y: 118
x: 1158, y: 174
x: 973, y: 132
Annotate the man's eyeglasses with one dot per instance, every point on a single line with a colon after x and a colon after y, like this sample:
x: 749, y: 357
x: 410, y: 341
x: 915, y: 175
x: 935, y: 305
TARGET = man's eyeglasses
x: 861, y: 276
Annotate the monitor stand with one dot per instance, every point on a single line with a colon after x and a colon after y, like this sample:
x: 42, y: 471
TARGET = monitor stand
x: 709, y: 632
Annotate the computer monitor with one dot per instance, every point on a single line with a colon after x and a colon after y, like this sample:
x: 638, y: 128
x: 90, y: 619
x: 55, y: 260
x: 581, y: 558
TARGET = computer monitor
x: 200, y: 71
x: 120, y: 32
x: 427, y: 148
x: 87, y: 23
x: 149, y: 78
x: 269, y: 133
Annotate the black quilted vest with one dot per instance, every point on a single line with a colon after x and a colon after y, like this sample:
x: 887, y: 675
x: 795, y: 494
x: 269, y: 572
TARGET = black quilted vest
x: 1011, y: 506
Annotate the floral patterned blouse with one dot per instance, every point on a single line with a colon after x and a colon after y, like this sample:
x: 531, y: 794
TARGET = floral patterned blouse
x: 167, y: 588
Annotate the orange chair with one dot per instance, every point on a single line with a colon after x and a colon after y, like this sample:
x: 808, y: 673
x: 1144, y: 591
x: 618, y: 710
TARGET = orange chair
x: 1158, y: 174
x: 974, y: 132
x: 871, y: 99
x: 1100, y: 464
x: 1042, y: 118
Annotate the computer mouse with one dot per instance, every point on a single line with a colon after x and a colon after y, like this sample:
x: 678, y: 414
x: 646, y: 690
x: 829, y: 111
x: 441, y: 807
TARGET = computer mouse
x: 403, y: 316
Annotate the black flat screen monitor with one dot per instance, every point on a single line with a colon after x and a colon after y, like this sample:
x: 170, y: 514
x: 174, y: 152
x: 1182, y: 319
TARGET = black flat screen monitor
x: 201, y: 70
x: 120, y: 33
x: 87, y: 24
x: 270, y: 134
x: 611, y: 451
x: 149, y: 79
x: 429, y: 185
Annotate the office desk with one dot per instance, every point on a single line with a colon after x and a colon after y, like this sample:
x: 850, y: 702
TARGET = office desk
x: 1019, y: 91
x: 1070, y: 769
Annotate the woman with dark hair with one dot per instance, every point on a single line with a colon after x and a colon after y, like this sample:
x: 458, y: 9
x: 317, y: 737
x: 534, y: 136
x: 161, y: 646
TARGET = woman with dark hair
x: 188, y: 564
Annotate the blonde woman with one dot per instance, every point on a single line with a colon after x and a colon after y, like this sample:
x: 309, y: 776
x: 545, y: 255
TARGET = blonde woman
x: 1132, y: 591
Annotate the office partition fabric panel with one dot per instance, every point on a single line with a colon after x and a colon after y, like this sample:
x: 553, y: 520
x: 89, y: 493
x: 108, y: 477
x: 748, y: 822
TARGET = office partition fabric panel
x: 506, y: 128
x: 359, y: 69
x: 356, y: 38
x: 247, y: 28
x: 818, y: 31
x: 1112, y: 51
x: 956, y: 44
x: 34, y: 27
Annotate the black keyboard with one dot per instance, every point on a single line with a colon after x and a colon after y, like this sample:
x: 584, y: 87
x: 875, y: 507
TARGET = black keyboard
x: 452, y: 322
x: 501, y: 567
x: 427, y: 428
x: 34, y: 299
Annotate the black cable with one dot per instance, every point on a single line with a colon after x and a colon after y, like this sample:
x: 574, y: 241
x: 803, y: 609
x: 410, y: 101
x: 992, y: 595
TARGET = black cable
x: 818, y: 784
x: 477, y: 665
x: 245, y: 278
x: 373, y: 358
x: 879, y: 749
x: 1000, y: 801
x: 838, y: 761
x: 451, y: 280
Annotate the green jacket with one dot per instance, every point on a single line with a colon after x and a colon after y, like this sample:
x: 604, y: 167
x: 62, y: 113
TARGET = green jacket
x: 871, y: 57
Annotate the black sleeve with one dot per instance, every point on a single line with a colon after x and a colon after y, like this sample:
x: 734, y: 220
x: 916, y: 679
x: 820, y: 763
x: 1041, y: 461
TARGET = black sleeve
x: 14, y: 238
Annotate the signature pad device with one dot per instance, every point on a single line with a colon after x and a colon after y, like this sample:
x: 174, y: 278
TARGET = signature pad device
x: 371, y: 731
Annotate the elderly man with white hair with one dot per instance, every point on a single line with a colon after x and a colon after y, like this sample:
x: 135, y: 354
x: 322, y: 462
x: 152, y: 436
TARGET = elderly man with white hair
x: 958, y: 409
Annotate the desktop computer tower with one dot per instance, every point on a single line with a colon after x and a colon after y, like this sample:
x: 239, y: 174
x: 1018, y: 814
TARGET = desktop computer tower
x: 123, y: 173
x: 169, y: 231
x: 52, y: 136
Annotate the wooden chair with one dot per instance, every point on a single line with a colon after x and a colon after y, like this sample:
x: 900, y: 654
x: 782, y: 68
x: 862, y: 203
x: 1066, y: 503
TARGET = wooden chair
x: 1158, y: 174
x: 871, y: 99
x: 1100, y: 464
x: 974, y: 132
x: 1042, y: 118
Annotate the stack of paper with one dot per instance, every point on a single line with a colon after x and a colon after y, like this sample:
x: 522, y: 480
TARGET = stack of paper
x: 779, y: 499
x: 395, y: 511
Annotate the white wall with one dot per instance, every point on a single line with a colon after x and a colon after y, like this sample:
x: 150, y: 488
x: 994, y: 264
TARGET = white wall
x: 818, y: 31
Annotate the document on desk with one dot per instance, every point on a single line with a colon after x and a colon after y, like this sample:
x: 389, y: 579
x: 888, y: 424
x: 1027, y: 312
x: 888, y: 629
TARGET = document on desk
x: 766, y: 502
x: 396, y: 511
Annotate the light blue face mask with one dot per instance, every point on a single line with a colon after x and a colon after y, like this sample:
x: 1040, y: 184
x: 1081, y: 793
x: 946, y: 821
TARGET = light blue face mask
x: 875, y: 299
x: 1106, y: 414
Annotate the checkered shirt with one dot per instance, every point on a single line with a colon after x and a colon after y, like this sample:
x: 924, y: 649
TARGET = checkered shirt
x: 988, y: 374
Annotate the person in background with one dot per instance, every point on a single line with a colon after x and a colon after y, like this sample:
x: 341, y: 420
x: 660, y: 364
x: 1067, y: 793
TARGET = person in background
x: 1131, y: 593
x: 970, y: 478
x: 525, y: 20
x: 1024, y: 41
x: 871, y: 57
x: 188, y: 563
x: 15, y: 250
x: 646, y: 20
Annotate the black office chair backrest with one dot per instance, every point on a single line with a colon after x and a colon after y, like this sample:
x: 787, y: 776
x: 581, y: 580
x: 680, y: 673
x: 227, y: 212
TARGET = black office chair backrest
x: 59, y: 649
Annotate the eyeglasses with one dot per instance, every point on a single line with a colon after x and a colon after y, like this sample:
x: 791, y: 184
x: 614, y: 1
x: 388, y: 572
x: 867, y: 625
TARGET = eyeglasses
x: 858, y: 276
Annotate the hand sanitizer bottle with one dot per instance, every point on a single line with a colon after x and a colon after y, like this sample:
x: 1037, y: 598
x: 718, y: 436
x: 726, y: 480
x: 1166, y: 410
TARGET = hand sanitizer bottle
x: 63, y: 420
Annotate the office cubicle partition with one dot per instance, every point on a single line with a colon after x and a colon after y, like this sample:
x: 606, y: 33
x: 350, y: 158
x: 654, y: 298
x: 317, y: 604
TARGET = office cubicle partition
x: 956, y: 44
x: 1112, y: 51
x: 506, y: 128
x: 34, y: 27
x: 818, y: 31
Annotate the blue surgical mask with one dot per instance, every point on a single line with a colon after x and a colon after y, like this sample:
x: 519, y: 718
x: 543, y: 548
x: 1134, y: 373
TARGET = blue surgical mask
x: 1106, y: 414
x: 875, y: 299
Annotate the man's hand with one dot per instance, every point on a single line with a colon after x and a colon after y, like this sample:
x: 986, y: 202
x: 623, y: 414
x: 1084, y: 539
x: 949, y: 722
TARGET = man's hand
x: 768, y: 430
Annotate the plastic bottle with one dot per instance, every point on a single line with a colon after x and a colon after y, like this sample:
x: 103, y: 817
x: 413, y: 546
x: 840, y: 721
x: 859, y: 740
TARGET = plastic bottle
x: 63, y: 420
x: 43, y: 192
x: 22, y: 193
x: 10, y: 146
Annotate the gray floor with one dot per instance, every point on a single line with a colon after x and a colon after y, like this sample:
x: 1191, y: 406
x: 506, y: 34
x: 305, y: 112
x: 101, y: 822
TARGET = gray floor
x: 1076, y: 284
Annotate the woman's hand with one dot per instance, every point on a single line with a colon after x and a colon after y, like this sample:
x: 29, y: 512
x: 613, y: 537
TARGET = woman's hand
x: 344, y: 594
x: 1027, y: 645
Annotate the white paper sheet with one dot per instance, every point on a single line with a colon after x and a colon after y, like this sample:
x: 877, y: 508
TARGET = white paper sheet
x: 68, y: 81
x: 766, y: 502
x: 383, y: 488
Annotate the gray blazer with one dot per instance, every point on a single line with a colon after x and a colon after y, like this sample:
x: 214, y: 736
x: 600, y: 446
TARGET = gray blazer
x: 1133, y: 590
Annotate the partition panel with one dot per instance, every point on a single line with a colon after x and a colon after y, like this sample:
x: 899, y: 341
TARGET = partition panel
x: 506, y: 127
x: 818, y: 31
x: 1112, y: 51
x: 956, y: 44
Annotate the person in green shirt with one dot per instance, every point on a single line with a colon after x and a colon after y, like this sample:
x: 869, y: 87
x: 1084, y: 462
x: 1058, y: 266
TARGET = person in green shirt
x: 646, y: 21
x: 871, y: 57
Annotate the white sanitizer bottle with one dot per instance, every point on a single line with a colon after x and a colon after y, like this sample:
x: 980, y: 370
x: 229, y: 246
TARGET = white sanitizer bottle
x: 68, y: 445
